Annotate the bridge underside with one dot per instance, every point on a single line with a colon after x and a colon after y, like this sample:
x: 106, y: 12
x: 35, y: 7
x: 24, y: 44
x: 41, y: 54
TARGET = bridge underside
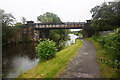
x: 45, y: 32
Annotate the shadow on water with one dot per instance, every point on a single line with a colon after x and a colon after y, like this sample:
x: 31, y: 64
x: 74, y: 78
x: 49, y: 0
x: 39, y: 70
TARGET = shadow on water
x: 21, y: 57
x: 18, y: 58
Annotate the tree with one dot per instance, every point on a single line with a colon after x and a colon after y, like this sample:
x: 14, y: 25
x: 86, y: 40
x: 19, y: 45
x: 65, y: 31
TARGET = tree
x: 7, y: 18
x: 106, y: 16
x: 19, y: 25
x: 8, y: 30
x: 23, y: 20
x: 94, y: 11
x: 49, y: 18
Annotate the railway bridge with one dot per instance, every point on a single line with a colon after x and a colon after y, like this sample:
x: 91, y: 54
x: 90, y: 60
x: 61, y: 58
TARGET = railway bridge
x: 42, y: 30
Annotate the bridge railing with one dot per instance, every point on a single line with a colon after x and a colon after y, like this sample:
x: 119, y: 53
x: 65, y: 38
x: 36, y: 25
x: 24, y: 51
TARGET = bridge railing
x: 59, y: 25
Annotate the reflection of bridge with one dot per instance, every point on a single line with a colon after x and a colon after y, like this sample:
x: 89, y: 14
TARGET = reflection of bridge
x: 43, y: 29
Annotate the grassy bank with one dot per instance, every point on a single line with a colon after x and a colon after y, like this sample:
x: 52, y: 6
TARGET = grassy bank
x: 103, y: 59
x: 55, y: 66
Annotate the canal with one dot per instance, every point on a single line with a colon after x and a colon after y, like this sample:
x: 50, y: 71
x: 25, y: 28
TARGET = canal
x: 19, y: 58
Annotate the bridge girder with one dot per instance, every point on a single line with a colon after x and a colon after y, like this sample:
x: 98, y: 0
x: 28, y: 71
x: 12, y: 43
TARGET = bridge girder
x: 68, y: 25
x: 44, y: 28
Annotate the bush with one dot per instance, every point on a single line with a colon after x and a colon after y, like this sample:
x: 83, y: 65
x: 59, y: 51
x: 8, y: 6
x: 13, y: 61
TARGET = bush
x: 117, y: 31
x: 46, y: 49
x: 111, y: 45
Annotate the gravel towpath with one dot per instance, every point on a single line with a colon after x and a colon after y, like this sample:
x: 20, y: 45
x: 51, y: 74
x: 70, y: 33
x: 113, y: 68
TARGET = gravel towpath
x: 84, y: 64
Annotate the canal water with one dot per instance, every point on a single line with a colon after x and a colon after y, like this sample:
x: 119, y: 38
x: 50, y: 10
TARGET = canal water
x: 19, y: 58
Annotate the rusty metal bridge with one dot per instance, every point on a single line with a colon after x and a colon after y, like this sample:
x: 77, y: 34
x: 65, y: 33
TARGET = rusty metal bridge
x: 64, y: 25
x: 43, y: 30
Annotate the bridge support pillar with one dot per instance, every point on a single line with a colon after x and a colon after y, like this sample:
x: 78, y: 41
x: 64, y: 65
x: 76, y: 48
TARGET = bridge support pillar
x: 44, y: 34
x: 87, y: 30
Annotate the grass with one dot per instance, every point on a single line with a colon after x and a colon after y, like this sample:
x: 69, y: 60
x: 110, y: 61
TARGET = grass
x: 80, y: 35
x: 52, y: 68
x: 107, y: 71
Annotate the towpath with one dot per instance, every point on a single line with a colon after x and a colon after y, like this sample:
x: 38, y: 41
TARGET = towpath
x: 84, y: 64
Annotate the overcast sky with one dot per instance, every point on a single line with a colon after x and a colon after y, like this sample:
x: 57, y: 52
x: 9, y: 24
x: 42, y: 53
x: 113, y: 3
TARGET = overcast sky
x: 67, y: 10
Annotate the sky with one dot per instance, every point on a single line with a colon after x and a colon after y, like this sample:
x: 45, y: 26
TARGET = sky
x: 67, y: 10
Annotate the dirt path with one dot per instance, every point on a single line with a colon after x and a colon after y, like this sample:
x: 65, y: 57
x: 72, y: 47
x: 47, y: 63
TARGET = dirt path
x: 84, y: 64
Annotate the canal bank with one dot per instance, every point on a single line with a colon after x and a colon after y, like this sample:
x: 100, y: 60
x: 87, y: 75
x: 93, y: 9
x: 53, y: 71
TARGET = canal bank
x: 21, y: 57
x: 53, y: 67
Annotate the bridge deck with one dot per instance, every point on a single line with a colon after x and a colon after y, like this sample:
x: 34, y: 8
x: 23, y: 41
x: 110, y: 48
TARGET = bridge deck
x: 67, y: 25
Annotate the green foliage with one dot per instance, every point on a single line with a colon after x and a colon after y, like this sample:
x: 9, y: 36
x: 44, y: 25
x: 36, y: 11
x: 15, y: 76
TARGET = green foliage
x: 109, y: 68
x: 78, y: 33
x: 105, y: 10
x: 102, y: 25
x: 8, y: 30
x: 49, y: 18
x: 7, y: 33
x: 117, y: 31
x: 106, y: 17
x: 46, y: 50
x: 75, y: 32
x: 59, y: 36
x: 19, y: 26
x: 7, y: 18
x: 52, y: 68
x: 111, y: 44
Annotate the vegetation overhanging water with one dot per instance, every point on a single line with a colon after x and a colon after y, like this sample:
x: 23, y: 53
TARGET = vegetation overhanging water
x: 19, y: 58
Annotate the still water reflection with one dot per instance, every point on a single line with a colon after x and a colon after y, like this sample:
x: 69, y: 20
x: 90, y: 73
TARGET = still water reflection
x: 72, y: 39
x: 21, y: 57
x: 18, y: 58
